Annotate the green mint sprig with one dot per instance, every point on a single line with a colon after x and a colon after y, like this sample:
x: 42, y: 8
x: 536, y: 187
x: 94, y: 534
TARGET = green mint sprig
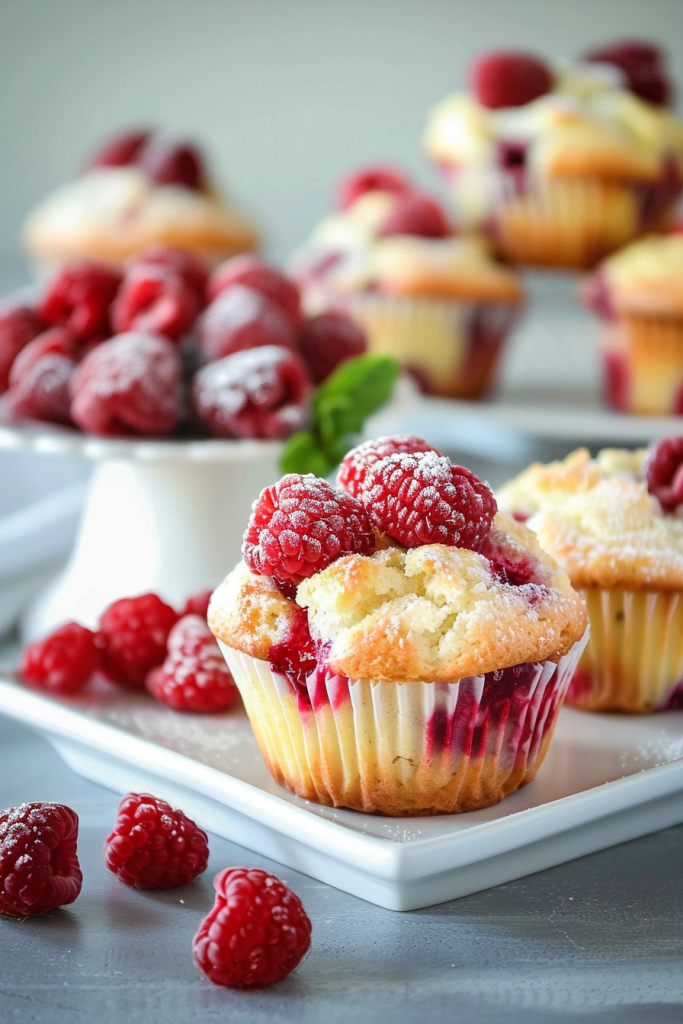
x: 340, y: 405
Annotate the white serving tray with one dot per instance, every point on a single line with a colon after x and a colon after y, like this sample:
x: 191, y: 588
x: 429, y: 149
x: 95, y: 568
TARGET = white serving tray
x: 606, y: 779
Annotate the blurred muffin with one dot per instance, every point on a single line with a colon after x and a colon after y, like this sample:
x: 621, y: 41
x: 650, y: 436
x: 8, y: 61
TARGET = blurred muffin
x: 138, y: 190
x: 437, y: 302
x: 561, y: 165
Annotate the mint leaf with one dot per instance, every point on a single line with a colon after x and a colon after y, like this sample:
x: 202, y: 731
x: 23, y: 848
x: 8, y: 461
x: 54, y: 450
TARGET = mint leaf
x: 303, y: 453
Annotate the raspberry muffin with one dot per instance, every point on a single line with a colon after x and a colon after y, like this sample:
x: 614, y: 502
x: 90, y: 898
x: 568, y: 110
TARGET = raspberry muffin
x: 401, y: 648
x: 559, y: 164
x: 436, y: 302
x: 637, y: 294
x: 138, y: 190
x: 614, y: 523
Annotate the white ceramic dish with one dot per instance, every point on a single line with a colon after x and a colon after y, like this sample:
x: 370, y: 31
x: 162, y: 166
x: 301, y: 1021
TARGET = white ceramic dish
x: 606, y: 779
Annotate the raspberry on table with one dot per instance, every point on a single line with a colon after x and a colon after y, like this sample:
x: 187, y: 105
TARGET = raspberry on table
x: 43, y: 392
x: 415, y: 213
x: 375, y: 178
x: 301, y: 525
x: 194, y: 676
x: 329, y: 339
x: 79, y: 297
x: 132, y: 636
x: 664, y: 472
x: 252, y: 272
x: 39, y: 869
x: 19, y: 325
x: 422, y: 499
x: 63, y: 662
x: 357, y: 462
x: 172, y: 163
x: 192, y: 270
x: 119, y: 151
x: 256, y: 934
x: 510, y: 79
x: 242, y: 318
x: 642, y: 65
x: 197, y: 604
x: 258, y: 393
x: 131, y: 384
x: 155, y: 299
x: 154, y: 846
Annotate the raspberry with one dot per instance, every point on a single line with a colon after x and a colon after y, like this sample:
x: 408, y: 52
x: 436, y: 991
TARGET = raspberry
x: 19, y: 325
x: 510, y: 79
x: 64, y: 661
x: 301, y: 525
x: 256, y: 934
x: 377, y: 177
x: 44, y: 391
x: 253, y: 273
x: 79, y: 297
x: 198, y: 604
x: 39, y: 869
x: 260, y: 393
x: 358, y: 461
x: 132, y: 637
x: 327, y: 340
x: 155, y: 300
x: 119, y: 151
x: 242, y: 318
x: 131, y: 384
x: 194, y: 676
x: 416, y: 214
x: 423, y: 499
x: 169, y: 163
x: 642, y: 65
x: 56, y: 341
x: 664, y: 472
x: 191, y: 269
x: 153, y: 846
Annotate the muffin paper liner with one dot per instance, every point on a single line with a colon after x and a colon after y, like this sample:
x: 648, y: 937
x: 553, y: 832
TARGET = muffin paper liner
x: 404, y: 748
x: 642, y: 362
x: 634, y: 657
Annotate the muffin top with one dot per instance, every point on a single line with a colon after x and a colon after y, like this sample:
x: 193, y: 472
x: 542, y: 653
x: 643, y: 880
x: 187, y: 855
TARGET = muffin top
x: 609, y: 521
x: 645, y: 278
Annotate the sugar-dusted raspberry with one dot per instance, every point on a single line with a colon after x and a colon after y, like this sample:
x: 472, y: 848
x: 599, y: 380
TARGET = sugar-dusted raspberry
x: 79, y: 297
x: 154, y: 846
x: 64, y: 661
x: 19, y: 325
x: 423, y: 499
x: 242, y: 318
x: 131, y: 384
x: 301, y: 525
x: 43, y: 392
x: 132, y: 636
x: 252, y: 272
x: 376, y: 178
x: 329, y: 339
x: 198, y: 604
x: 260, y: 393
x: 173, y: 163
x: 510, y: 79
x: 56, y: 341
x: 415, y: 213
x: 664, y: 472
x: 192, y: 270
x: 120, y: 150
x: 39, y: 869
x: 155, y: 300
x: 358, y: 461
x: 194, y: 676
x: 642, y: 65
x: 256, y: 934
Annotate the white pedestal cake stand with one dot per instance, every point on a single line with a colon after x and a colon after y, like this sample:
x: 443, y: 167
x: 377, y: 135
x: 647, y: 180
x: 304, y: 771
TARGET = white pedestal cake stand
x: 161, y: 515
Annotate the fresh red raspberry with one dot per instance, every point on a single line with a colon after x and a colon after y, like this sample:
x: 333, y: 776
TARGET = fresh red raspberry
x: 56, y: 341
x: 254, y: 273
x: 416, y: 214
x: 120, y: 150
x: 642, y: 65
x: 19, y: 325
x: 376, y: 178
x: 423, y: 499
x: 43, y: 392
x: 194, y: 676
x: 510, y: 79
x: 664, y: 472
x: 173, y: 163
x: 242, y: 318
x: 329, y: 339
x: 132, y: 637
x: 131, y: 384
x: 155, y: 300
x: 154, y: 846
x: 260, y: 393
x: 39, y: 869
x: 256, y: 934
x: 301, y: 525
x: 358, y: 461
x: 79, y: 297
x: 64, y: 661
x: 192, y: 270
x: 198, y: 604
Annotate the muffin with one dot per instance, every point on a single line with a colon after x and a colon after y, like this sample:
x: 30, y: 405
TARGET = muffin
x: 637, y: 295
x: 393, y: 658
x: 560, y: 165
x: 614, y: 524
x: 437, y: 302
x: 138, y: 190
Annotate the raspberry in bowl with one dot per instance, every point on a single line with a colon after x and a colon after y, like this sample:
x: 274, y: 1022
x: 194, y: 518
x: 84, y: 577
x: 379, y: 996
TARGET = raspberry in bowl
x: 403, y: 649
